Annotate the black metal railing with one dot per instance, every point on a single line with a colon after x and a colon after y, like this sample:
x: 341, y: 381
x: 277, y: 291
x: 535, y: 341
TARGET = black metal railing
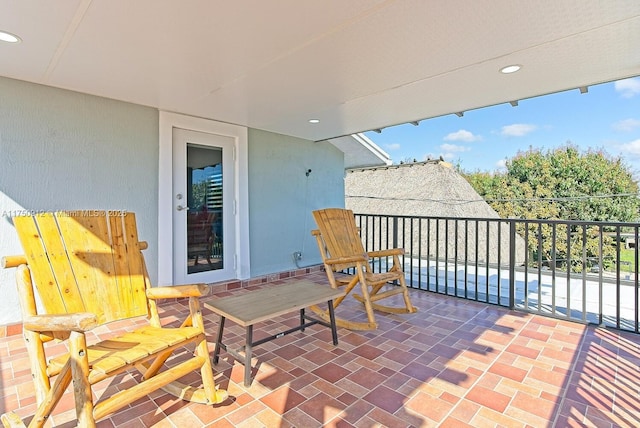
x: 574, y: 270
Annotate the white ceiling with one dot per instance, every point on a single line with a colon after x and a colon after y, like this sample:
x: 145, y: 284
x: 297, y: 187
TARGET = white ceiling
x: 356, y: 65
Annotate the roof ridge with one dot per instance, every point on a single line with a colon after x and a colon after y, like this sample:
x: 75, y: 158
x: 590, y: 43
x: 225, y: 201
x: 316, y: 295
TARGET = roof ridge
x: 402, y: 165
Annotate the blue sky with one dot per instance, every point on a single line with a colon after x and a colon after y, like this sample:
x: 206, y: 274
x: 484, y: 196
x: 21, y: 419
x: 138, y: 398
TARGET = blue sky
x: 606, y: 117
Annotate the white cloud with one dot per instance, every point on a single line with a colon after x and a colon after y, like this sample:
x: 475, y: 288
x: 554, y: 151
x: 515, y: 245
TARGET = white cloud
x: 393, y: 146
x: 628, y: 87
x: 626, y: 125
x: 454, y: 148
x: 632, y: 148
x: 501, y: 164
x: 517, y: 130
x: 462, y: 135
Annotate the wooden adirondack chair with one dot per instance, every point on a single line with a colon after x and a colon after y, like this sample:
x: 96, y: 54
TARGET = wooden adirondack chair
x: 341, y: 248
x: 88, y: 270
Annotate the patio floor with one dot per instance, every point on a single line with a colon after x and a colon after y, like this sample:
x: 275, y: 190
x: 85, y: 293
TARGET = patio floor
x: 452, y: 364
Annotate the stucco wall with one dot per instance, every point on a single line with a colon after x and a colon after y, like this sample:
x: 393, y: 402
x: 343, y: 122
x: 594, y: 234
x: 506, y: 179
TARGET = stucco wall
x: 64, y: 150
x: 282, y: 196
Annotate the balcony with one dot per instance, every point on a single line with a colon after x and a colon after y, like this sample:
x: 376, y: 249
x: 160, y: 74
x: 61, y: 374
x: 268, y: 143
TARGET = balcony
x: 455, y: 362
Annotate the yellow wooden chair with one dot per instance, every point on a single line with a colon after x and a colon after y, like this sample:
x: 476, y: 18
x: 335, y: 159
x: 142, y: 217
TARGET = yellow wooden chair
x: 88, y: 270
x: 341, y: 248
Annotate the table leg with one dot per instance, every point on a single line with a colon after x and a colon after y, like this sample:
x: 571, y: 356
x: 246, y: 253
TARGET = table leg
x: 247, y: 356
x: 216, y: 351
x: 332, y: 317
x: 302, y: 320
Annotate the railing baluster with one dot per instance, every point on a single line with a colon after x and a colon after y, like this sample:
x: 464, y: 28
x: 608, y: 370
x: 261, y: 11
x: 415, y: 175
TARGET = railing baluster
x: 437, y: 255
x: 618, y: 284
x: 584, y: 273
x: 429, y: 254
x: 568, y: 299
x: 540, y: 236
x: 553, y: 268
x: 486, y: 256
x: 475, y: 272
x: 455, y: 259
x: 600, y: 271
x: 526, y: 259
x: 466, y: 257
x: 512, y: 264
x: 410, y: 251
x: 636, y: 285
x: 446, y: 256
x: 499, y: 261
x: 419, y: 252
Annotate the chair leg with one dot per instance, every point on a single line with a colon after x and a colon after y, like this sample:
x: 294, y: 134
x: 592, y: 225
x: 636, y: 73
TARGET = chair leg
x: 366, y: 298
x: 40, y: 378
x: 213, y: 395
x: 341, y: 322
x: 405, y: 290
x: 53, y: 396
x: 79, y: 359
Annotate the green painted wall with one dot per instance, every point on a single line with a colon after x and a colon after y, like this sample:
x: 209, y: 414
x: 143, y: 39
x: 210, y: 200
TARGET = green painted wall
x: 63, y: 150
x: 282, y: 196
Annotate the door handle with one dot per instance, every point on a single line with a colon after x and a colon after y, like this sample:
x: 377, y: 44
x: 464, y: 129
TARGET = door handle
x: 181, y: 208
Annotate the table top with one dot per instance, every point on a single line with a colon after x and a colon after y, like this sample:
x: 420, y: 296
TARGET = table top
x: 255, y: 306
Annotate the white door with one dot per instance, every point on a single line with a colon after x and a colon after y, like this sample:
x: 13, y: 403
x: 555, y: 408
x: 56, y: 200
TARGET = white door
x: 203, y: 207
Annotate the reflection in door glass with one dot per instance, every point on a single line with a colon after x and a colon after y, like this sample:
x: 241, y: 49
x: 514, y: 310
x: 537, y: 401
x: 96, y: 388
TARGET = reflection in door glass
x: 204, y: 218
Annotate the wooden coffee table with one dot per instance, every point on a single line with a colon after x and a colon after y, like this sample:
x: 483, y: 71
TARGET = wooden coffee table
x: 255, y: 306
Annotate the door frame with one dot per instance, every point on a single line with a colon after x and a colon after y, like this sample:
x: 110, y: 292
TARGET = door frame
x: 168, y: 121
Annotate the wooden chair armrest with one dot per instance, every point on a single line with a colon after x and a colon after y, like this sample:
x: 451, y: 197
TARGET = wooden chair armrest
x: 191, y: 290
x: 385, y: 253
x: 81, y: 322
x: 350, y: 259
x: 12, y: 261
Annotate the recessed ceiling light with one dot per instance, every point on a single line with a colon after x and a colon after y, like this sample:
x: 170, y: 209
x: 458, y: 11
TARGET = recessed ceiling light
x: 510, y: 69
x: 9, y: 38
x: 314, y: 120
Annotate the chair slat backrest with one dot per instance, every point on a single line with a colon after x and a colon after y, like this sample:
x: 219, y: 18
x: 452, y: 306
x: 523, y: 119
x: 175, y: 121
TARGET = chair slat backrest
x: 340, y: 234
x: 86, y: 261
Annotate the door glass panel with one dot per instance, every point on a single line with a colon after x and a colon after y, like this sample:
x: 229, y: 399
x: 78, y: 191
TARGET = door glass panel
x: 204, y: 217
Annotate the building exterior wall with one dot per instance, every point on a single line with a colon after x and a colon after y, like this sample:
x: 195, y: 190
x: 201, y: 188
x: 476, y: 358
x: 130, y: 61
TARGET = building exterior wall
x: 282, y: 196
x: 63, y: 150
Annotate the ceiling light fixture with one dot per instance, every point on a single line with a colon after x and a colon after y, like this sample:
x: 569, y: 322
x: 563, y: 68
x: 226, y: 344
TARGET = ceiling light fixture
x: 460, y: 114
x: 514, y: 103
x: 9, y: 38
x: 415, y: 123
x: 584, y: 89
x: 379, y: 131
x: 510, y: 69
x: 314, y: 120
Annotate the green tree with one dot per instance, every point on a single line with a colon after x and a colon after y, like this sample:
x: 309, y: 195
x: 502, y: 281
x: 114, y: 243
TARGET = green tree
x: 562, y: 184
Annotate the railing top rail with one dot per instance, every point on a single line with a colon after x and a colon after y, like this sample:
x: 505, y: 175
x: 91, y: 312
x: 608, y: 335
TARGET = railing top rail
x: 509, y: 220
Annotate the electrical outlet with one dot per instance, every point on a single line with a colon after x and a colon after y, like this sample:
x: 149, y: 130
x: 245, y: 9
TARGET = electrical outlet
x: 297, y: 255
